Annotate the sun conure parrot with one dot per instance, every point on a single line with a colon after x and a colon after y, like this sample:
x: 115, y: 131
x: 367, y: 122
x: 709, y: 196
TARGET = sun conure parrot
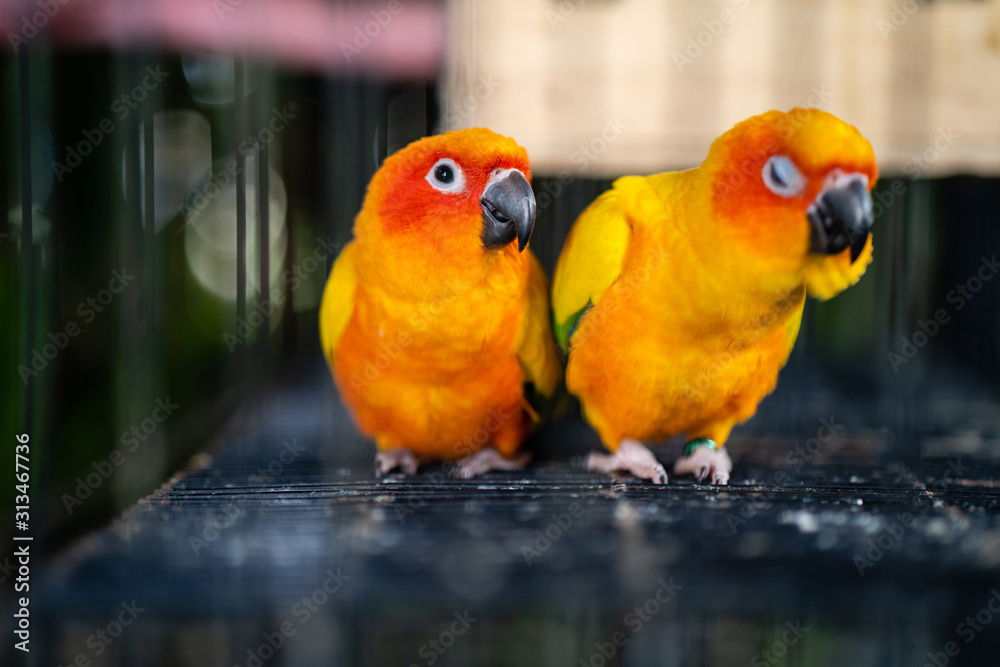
x: 436, y: 315
x: 678, y: 296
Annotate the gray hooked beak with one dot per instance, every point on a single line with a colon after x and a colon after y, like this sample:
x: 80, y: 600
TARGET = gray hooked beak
x: 508, y: 210
x: 841, y: 216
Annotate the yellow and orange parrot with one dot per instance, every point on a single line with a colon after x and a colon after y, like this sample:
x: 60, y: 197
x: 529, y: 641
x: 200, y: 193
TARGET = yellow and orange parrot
x: 678, y: 296
x: 436, y: 316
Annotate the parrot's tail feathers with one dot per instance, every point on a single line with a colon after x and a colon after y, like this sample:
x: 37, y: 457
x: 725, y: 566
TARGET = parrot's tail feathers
x: 532, y: 414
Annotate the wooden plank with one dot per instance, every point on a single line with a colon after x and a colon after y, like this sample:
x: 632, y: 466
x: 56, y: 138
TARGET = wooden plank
x: 672, y: 76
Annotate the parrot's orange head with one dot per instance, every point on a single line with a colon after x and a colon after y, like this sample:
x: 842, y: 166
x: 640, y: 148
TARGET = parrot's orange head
x: 460, y: 192
x: 795, y: 186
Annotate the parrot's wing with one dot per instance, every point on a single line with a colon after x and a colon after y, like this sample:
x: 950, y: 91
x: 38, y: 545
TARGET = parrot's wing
x: 794, y: 323
x: 591, y: 260
x: 535, y: 349
x: 338, y: 301
x: 830, y: 276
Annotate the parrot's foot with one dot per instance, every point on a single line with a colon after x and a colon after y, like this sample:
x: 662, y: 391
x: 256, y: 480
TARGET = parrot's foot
x: 703, y: 458
x: 633, y: 456
x: 391, y: 459
x: 487, y: 459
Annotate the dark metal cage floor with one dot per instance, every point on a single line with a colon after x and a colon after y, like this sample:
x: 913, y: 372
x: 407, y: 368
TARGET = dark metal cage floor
x: 282, y: 527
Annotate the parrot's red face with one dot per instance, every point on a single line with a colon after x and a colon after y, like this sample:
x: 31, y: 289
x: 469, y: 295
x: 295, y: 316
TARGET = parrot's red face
x: 458, y: 192
x: 795, y: 186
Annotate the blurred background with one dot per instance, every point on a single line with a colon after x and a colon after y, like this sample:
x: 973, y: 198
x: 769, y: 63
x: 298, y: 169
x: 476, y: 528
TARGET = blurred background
x: 178, y: 178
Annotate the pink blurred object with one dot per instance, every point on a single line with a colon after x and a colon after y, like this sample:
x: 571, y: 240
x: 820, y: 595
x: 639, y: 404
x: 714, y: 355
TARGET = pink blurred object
x: 393, y: 38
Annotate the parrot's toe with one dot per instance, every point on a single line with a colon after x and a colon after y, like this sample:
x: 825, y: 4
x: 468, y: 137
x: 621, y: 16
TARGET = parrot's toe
x: 400, y: 457
x: 705, y: 460
x: 487, y: 459
x: 632, y: 456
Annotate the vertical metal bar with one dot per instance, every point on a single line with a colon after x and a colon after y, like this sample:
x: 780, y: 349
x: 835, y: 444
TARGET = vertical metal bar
x: 289, y: 330
x: 432, y: 108
x: 149, y: 254
x: 377, y: 116
x: 131, y: 372
x: 27, y: 231
x: 264, y: 246
x: 332, y: 190
x: 241, y: 193
x: 145, y: 347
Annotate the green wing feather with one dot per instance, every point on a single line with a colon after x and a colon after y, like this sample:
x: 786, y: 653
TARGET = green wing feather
x: 590, y: 262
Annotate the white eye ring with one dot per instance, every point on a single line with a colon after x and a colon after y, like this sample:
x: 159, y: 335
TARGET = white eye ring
x: 446, y: 176
x: 782, y: 177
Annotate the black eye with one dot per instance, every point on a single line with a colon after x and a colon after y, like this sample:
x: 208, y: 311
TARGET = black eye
x: 776, y: 176
x: 446, y: 176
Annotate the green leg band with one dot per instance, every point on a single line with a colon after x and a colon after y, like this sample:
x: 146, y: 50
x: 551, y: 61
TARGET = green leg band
x: 700, y: 442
